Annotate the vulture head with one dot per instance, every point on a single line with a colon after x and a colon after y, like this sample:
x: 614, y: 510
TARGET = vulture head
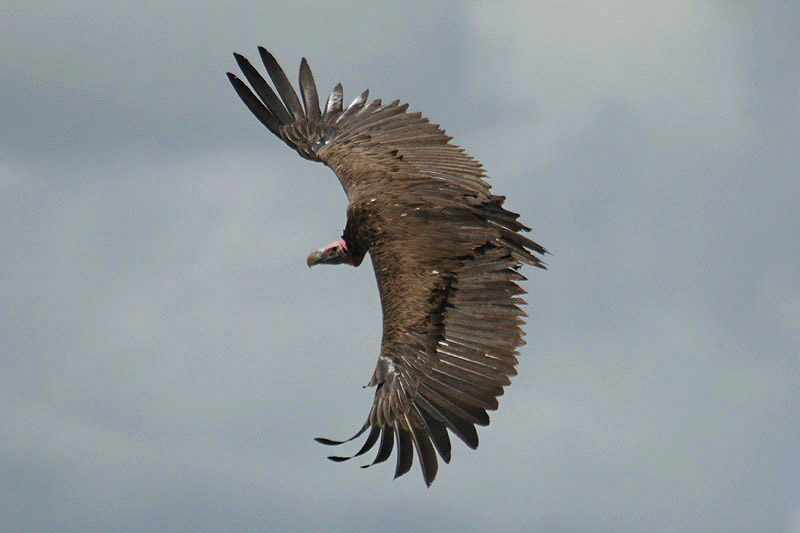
x: 336, y: 253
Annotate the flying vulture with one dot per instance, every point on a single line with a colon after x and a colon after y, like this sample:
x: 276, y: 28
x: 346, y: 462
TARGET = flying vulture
x: 446, y: 256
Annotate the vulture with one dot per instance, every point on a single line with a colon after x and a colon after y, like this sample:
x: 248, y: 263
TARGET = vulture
x: 445, y: 252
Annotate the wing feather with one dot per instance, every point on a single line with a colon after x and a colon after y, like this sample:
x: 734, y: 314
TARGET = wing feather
x: 263, y: 90
x: 372, y: 438
x: 405, y: 451
x: 282, y: 84
x: 422, y: 443
x: 437, y: 430
x: 453, y: 416
x: 309, y: 91
x: 255, y: 105
x: 385, y: 447
x: 334, y: 106
x: 355, y: 106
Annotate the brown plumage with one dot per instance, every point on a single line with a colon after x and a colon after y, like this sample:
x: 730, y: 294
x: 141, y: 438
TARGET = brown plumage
x: 446, y: 256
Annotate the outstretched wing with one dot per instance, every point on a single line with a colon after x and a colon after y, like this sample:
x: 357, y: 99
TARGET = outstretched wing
x: 361, y: 142
x: 445, y: 252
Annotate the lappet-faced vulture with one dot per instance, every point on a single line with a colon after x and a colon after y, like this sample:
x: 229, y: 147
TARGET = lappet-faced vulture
x: 446, y: 256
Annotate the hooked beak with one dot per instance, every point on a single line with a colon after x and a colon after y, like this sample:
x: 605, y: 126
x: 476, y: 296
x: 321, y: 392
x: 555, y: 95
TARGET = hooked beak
x: 314, y: 258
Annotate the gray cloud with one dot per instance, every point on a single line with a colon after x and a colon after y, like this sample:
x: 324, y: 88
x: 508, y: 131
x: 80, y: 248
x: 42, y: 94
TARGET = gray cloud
x: 168, y: 357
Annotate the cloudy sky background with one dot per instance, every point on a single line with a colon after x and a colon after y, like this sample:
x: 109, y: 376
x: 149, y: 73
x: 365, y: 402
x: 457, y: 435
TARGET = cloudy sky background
x: 167, y: 357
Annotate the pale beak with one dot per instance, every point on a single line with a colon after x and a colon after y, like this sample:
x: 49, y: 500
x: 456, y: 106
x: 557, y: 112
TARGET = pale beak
x: 314, y: 258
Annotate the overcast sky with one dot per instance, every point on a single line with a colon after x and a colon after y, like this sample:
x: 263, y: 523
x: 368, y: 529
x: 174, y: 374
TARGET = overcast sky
x: 167, y: 357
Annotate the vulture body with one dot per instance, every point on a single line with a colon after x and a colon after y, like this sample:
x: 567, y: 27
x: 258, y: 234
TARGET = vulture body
x: 446, y: 256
